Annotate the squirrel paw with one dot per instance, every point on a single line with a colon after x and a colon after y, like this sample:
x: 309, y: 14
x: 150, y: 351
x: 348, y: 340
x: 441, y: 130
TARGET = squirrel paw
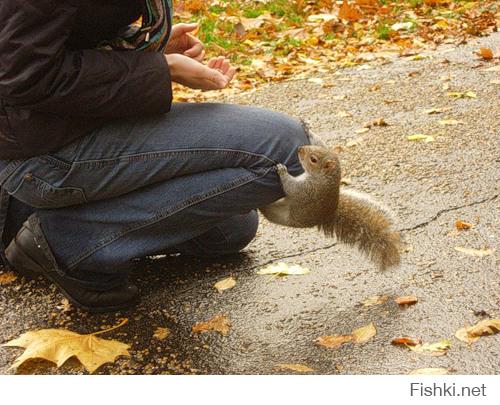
x: 281, y: 169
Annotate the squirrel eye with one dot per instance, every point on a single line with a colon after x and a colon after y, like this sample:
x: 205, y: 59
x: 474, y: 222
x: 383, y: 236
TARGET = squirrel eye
x: 314, y: 159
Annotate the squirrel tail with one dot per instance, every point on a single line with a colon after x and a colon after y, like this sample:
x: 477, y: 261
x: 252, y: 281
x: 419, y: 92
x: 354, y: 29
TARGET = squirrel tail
x: 364, y: 222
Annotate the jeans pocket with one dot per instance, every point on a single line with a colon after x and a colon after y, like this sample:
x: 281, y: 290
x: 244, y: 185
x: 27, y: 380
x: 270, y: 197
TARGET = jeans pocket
x: 38, y: 193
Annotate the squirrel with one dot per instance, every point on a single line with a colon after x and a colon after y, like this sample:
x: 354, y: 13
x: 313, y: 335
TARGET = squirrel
x: 315, y: 198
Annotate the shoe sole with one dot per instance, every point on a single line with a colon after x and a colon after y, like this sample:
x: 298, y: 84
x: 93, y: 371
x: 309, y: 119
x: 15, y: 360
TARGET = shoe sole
x: 27, y: 268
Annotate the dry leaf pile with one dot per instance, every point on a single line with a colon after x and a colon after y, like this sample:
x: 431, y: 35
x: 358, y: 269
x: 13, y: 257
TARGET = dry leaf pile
x: 273, y: 40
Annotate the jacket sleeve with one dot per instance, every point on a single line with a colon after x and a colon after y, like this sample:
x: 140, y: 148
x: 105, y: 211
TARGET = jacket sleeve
x: 38, y: 73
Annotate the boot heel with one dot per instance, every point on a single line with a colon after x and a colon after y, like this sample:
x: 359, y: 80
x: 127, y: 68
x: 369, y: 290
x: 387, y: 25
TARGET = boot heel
x: 22, y: 264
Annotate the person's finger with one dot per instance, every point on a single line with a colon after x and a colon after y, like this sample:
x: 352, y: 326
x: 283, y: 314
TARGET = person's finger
x: 200, y: 57
x: 219, y: 62
x: 195, y: 50
x: 185, y: 28
x: 218, y: 79
x: 225, y: 65
x: 211, y: 63
x: 230, y: 74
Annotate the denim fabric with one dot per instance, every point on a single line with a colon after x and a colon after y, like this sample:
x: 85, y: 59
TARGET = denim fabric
x: 190, y: 179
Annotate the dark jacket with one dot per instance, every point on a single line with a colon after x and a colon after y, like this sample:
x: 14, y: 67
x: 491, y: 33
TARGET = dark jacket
x: 55, y: 88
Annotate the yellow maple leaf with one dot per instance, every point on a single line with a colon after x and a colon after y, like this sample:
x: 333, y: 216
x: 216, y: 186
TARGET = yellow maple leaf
x: 58, y: 345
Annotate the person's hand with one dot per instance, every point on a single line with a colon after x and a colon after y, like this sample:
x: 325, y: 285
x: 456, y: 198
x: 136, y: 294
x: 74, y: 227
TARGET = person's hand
x: 182, y: 42
x: 215, y: 75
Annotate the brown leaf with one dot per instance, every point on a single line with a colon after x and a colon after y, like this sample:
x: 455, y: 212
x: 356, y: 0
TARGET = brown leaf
x: 333, y: 341
x: 7, y: 278
x: 375, y: 300
x: 460, y: 225
x: 161, y: 333
x: 406, y: 300
x: 472, y: 334
x: 486, y: 53
x: 225, y: 284
x: 219, y: 323
x: 364, y: 334
x: 296, y: 367
x: 405, y: 341
x: 349, y: 13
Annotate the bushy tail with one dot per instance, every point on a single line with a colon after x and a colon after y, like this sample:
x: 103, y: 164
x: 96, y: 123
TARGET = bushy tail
x: 363, y: 222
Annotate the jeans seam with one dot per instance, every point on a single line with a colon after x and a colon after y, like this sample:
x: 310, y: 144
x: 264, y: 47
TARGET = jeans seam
x: 93, y: 163
x: 164, y: 215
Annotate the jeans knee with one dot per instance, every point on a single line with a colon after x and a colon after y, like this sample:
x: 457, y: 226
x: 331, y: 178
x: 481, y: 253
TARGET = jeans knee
x: 240, y: 231
x: 227, y: 238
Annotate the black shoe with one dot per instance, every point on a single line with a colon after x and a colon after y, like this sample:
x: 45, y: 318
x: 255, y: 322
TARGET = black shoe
x: 27, y: 253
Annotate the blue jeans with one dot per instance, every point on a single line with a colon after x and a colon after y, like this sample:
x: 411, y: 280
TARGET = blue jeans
x: 188, y: 181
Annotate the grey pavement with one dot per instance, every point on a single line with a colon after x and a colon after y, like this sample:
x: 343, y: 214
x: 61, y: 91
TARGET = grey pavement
x: 276, y: 320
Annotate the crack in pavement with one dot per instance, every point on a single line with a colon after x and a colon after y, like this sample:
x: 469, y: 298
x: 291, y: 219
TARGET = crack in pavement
x: 419, y: 225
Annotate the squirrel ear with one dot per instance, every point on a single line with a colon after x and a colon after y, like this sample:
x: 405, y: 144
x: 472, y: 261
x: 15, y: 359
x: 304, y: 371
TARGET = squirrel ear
x: 329, y: 164
x: 337, y: 149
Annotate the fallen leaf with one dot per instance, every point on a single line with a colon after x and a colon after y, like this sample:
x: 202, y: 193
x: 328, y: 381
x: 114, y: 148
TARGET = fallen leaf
x: 405, y: 341
x: 344, y: 114
x: 296, y: 367
x: 7, y: 278
x: 472, y: 334
x: 475, y: 252
x: 348, y: 12
x: 433, y: 111
x: 486, y: 53
x: 402, y: 26
x: 161, y: 333
x: 456, y: 94
x: 376, y: 123
x: 449, y: 122
x: 64, y: 306
x: 392, y: 101
x: 58, y: 345
x: 432, y: 349
x: 225, y: 284
x: 316, y: 80
x: 430, y: 371
x: 321, y: 17
x: 219, y: 323
x: 333, y: 341
x: 406, y: 300
x: 364, y: 334
x: 375, y: 300
x: 283, y: 269
x: 421, y: 137
x: 460, y: 225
